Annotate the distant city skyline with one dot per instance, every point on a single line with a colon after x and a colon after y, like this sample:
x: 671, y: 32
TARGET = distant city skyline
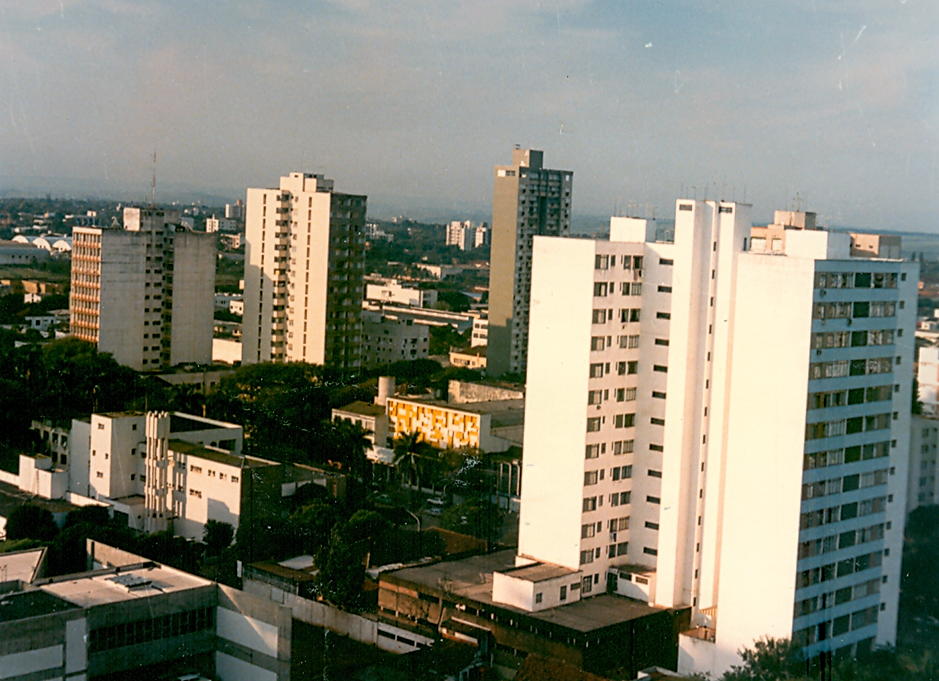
x: 413, y: 104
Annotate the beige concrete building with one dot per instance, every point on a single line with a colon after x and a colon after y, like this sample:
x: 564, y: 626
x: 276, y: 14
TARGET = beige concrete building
x: 144, y: 293
x: 304, y: 267
x: 386, y: 340
x: 528, y: 200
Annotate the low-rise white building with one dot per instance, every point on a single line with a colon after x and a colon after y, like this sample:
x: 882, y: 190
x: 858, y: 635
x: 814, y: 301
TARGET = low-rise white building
x: 393, y: 291
x: 386, y: 340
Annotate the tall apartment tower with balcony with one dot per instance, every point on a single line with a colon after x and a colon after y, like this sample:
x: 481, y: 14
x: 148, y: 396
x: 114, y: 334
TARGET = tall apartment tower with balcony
x: 145, y: 293
x: 717, y: 425
x: 528, y: 200
x: 304, y: 273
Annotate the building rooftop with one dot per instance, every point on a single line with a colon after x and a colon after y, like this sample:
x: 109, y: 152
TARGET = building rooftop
x: 538, y: 572
x: 471, y: 578
x: 361, y: 408
x: 217, y: 455
x: 186, y: 423
x: 32, y: 603
x: 503, y: 413
x: 122, y: 584
x: 12, y: 497
x: 21, y: 566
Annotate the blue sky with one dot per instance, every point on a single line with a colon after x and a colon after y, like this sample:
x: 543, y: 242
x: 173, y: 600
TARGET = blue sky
x: 413, y: 102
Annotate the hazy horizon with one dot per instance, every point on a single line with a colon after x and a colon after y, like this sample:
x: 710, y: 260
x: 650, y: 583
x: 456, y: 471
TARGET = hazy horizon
x: 413, y: 104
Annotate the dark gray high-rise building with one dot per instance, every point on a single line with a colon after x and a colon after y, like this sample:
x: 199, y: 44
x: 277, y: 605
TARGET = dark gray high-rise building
x: 528, y: 199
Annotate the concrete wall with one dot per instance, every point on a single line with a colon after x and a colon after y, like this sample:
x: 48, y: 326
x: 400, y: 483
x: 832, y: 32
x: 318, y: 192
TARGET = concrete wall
x: 194, y: 257
x: 366, y: 630
x: 253, y: 638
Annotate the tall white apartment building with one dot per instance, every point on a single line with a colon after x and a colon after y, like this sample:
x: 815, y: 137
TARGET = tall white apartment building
x: 723, y: 428
x: 304, y: 269
x: 144, y: 293
x: 528, y: 200
x: 466, y: 236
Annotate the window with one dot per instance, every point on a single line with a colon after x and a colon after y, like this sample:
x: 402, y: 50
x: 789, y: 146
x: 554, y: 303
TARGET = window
x: 538, y: 598
x: 625, y: 420
x: 625, y: 394
x: 599, y: 289
x: 563, y: 593
x: 587, y: 531
x: 663, y: 315
x: 195, y: 493
x: 623, y: 447
x: 590, y: 504
x: 599, y: 316
x: 593, y: 424
x: 593, y: 451
x: 621, y: 473
x: 585, y: 558
x: 654, y: 474
x: 649, y: 551
x: 660, y: 368
x: 666, y: 261
x: 602, y: 262
x: 657, y: 422
x: 635, y: 289
x: 653, y: 500
x: 590, y: 478
x: 665, y: 289
x: 658, y: 395
x: 195, y: 469
x: 597, y: 343
x: 596, y: 370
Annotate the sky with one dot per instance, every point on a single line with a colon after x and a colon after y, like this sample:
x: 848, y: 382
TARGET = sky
x: 835, y: 102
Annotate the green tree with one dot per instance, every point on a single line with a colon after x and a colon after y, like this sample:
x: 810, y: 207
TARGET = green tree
x: 770, y: 659
x: 217, y: 536
x: 31, y: 522
x: 918, y: 593
x: 478, y: 518
x: 314, y: 524
x: 341, y: 574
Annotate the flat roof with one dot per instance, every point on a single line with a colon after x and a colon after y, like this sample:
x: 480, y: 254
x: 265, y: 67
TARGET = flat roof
x: 124, y: 584
x: 186, y: 423
x: 21, y: 565
x: 538, y: 572
x: 503, y: 413
x: 361, y: 408
x: 218, y: 456
x: 12, y: 497
x: 32, y: 603
x: 471, y: 579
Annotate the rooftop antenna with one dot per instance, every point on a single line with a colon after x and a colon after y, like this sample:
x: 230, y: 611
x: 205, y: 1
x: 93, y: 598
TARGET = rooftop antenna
x: 153, y: 183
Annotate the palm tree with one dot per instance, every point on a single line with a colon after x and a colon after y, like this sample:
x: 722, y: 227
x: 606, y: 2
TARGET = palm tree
x: 408, y: 448
x: 357, y: 441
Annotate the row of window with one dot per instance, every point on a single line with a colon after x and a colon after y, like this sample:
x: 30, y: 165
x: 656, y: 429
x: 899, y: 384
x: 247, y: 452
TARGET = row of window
x: 840, y: 398
x: 854, y: 367
x: 856, y: 280
x: 626, y: 315
x: 601, y: 289
x: 151, y: 629
x: 844, y: 540
x: 849, y: 483
x: 837, y: 627
x: 605, y: 262
x: 852, y: 339
x: 619, y: 447
x: 842, y: 568
x: 616, y: 499
x: 835, y: 457
x: 835, y: 514
x: 858, y: 310
x: 857, y: 424
x: 832, y: 598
